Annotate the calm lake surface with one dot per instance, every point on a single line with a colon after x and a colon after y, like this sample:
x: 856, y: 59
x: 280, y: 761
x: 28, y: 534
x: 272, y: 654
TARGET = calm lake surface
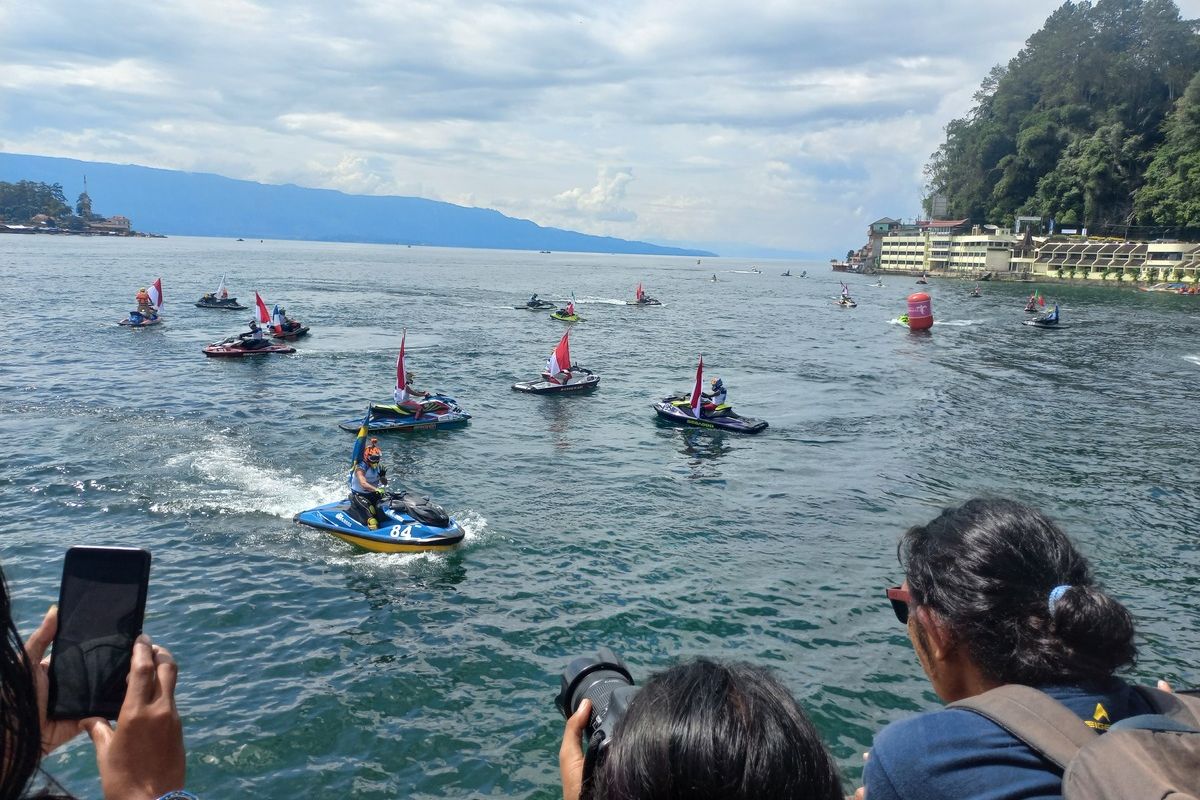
x: 312, y: 669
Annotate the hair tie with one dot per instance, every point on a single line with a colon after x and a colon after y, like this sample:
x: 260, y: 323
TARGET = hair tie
x: 1055, y: 595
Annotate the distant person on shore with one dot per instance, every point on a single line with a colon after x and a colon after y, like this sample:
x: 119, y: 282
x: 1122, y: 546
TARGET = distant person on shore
x: 367, y: 480
x: 995, y: 593
x: 703, y: 730
x: 142, y: 759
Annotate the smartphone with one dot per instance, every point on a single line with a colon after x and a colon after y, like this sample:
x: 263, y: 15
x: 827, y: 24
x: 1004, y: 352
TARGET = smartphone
x: 101, y: 604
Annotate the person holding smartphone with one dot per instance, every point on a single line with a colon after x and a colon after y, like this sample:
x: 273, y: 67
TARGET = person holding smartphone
x: 141, y: 759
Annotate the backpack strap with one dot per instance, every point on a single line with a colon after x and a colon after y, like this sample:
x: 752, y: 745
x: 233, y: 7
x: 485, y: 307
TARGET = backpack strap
x: 1178, y: 707
x: 1037, y: 719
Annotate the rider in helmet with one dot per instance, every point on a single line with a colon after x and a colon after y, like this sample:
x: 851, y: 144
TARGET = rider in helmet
x: 714, y: 397
x: 404, y: 395
x: 366, y: 485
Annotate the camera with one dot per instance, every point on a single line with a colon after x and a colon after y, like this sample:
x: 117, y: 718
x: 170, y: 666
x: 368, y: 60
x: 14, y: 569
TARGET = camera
x: 604, y: 679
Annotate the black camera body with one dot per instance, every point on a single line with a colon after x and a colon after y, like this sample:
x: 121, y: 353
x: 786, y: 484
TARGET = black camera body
x: 604, y: 679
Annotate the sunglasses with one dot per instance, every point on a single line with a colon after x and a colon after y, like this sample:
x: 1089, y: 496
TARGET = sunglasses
x: 900, y: 599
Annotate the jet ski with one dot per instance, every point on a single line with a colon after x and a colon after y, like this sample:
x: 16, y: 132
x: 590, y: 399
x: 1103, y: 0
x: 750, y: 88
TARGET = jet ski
x: 210, y: 300
x: 563, y: 316
x: 236, y: 346
x: 437, y: 411
x: 415, y: 524
x: 845, y: 302
x: 137, y: 319
x: 676, y: 409
x: 291, y: 330
x: 581, y: 380
x: 1048, y: 321
x: 536, y: 305
x: 645, y: 301
x: 786, y: 274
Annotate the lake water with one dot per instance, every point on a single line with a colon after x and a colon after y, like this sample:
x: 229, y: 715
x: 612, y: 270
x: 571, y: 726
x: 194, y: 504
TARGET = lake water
x: 312, y: 669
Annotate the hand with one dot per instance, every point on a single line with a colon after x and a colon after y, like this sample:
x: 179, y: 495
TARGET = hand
x: 1163, y: 686
x: 570, y: 754
x: 143, y: 758
x: 55, y: 732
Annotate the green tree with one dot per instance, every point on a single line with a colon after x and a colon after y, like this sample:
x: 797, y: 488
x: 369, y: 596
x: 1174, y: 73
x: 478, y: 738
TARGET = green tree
x: 1171, y: 195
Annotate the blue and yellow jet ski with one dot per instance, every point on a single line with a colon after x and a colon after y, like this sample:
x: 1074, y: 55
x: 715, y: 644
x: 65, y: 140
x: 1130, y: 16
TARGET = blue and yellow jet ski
x: 417, y: 525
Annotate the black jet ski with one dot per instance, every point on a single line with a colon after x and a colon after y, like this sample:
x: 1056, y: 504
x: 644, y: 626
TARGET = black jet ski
x: 212, y: 301
x: 536, y: 305
x: 676, y: 409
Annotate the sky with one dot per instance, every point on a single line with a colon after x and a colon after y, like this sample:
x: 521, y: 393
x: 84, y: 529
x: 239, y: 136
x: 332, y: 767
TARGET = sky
x: 779, y: 124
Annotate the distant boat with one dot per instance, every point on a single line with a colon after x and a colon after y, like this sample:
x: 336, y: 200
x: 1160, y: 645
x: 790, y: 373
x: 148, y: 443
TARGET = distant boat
x: 921, y: 280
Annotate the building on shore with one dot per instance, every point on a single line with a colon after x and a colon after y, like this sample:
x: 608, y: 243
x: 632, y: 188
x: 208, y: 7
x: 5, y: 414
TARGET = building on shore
x: 955, y: 247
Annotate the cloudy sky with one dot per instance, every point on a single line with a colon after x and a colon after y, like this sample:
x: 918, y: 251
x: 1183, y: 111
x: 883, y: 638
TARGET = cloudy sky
x: 786, y: 125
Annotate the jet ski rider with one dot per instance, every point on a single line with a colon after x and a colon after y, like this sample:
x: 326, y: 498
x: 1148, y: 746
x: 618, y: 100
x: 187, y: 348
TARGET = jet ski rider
x: 366, y: 485
x: 143, y: 304
x: 533, y: 300
x: 404, y: 395
x: 254, y: 339
x: 715, y: 397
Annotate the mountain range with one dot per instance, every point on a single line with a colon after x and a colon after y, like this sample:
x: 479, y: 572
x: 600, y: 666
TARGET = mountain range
x: 201, y: 204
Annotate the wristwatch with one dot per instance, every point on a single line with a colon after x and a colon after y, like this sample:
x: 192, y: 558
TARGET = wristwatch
x: 178, y: 794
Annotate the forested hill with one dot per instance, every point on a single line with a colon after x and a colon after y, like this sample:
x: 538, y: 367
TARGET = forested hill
x: 199, y: 204
x: 1095, y: 122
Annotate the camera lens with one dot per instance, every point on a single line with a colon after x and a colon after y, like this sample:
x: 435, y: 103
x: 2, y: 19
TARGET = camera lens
x: 595, y: 678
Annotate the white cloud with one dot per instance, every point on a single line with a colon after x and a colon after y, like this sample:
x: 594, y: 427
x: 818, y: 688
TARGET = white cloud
x: 603, y: 202
x: 774, y: 122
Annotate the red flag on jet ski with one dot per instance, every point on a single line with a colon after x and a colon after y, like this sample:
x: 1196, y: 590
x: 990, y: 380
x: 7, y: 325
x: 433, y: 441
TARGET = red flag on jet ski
x: 640, y: 293
x: 697, y: 396
x: 263, y: 315
x: 400, y: 381
x: 156, y: 295
x: 560, y: 359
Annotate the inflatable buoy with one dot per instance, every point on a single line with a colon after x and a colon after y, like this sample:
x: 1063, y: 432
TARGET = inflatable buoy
x: 920, y: 312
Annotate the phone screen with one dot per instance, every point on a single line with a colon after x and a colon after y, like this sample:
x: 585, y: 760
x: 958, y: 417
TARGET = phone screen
x: 100, y: 608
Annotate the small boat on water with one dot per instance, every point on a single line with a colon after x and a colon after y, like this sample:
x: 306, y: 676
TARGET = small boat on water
x: 786, y: 274
x: 220, y: 299
x: 561, y: 375
x: 845, y: 302
x: 241, y: 346
x: 921, y: 281
x: 535, y: 303
x: 416, y: 525
x: 400, y: 522
x: 975, y: 293
x: 1169, y: 288
x: 429, y: 412
x: 566, y: 314
x: 437, y: 411
x: 137, y: 319
x: 693, y: 411
x: 642, y: 299
x: 1047, y: 321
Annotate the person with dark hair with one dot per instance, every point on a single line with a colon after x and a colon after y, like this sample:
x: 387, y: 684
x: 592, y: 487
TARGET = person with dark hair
x: 705, y: 731
x: 995, y: 593
x: 142, y: 759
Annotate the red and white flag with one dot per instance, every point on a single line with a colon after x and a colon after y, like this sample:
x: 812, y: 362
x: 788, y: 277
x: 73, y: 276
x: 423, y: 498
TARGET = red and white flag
x: 560, y: 359
x: 264, y: 316
x: 156, y: 295
x: 697, y: 395
x: 400, y: 380
x: 640, y: 294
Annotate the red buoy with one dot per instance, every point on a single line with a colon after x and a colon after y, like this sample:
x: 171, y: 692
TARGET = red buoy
x: 920, y: 312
